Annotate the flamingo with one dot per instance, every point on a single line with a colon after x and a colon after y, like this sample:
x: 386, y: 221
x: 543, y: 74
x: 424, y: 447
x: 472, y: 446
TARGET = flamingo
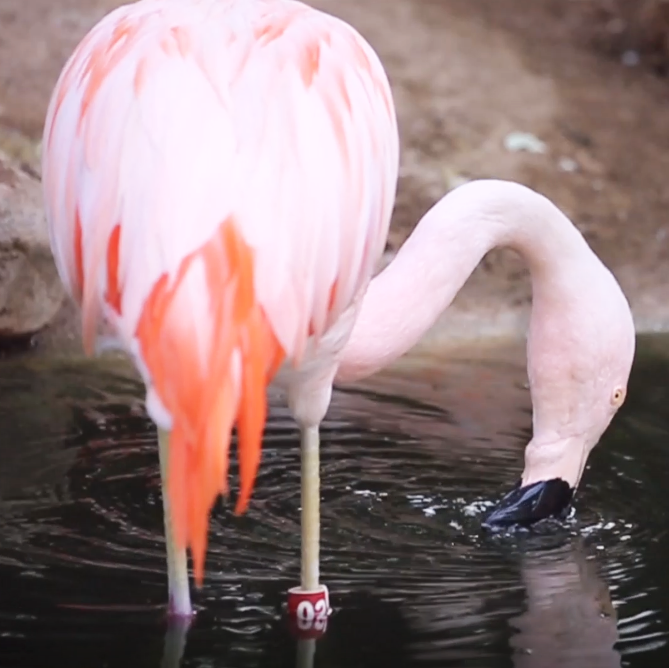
x: 219, y: 178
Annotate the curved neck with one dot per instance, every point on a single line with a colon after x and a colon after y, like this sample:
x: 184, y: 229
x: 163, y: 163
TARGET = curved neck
x: 406, y: 299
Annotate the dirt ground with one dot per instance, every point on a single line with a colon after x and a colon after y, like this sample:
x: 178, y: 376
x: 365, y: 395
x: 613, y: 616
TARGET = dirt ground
x: 583, y: 76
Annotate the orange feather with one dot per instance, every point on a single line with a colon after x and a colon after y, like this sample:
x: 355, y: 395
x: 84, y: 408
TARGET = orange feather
x: 205, y: 400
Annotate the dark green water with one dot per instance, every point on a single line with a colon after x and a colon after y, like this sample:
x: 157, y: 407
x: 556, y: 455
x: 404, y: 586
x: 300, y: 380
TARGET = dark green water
x: 408, y: 465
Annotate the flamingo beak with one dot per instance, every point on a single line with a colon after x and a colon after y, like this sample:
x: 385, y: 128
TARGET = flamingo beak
x: 529, y: 504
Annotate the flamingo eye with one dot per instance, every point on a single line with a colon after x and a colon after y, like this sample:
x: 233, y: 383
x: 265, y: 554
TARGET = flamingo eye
x: 618, y: 396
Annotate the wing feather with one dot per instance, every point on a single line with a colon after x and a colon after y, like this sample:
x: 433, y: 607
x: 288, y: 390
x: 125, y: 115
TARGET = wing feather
x: 178, y: 129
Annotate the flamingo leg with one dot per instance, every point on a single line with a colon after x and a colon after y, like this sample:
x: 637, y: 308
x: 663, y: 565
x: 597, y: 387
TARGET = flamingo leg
x: 174, y: 644
x: 177, y: 562
x: 311, y: 519
x: 306, y: 650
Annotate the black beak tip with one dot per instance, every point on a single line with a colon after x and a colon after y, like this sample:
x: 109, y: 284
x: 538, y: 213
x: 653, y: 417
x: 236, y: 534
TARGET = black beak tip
x: 530, y: 504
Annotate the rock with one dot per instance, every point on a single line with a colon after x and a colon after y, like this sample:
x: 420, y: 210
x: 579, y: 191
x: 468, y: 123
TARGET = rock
x: 30, y: 290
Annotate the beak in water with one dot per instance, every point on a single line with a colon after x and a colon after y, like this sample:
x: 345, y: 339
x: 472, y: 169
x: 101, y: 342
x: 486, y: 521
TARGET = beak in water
x: 532, y: 503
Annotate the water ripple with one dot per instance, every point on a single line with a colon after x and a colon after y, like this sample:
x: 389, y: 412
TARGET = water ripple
x: 404, y: 485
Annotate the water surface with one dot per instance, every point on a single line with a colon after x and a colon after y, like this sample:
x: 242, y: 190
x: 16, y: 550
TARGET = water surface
x: 409, y: 463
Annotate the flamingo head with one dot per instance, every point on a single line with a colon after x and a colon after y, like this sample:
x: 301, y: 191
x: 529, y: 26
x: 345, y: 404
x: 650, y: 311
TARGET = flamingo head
x: 579, y: 361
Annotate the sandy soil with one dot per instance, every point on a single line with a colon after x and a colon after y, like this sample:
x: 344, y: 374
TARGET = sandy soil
x: 465, y: 74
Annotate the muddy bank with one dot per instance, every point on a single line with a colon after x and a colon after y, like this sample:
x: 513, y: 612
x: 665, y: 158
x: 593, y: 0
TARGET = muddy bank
x: 635, y: 31
x: 465, y: 74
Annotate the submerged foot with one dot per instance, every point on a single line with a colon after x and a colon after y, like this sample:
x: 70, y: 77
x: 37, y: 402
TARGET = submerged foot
x: 175, y: 639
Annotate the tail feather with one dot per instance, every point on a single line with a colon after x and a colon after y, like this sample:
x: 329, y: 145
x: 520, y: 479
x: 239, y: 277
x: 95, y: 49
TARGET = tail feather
x: 208, y: 391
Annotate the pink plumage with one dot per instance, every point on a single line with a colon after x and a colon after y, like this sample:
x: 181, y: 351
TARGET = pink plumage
x: 219, y: 177
x: 218, y: 174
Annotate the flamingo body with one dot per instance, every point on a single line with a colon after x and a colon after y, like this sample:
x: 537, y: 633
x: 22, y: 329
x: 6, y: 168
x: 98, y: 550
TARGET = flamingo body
x: 219, y: 177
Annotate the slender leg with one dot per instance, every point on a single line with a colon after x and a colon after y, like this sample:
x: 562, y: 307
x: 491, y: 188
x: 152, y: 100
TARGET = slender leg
x: 306, y: 649
x: 177, y: 564
x: 309, y: 604
x: 311, y: 517
x: 175, y: 642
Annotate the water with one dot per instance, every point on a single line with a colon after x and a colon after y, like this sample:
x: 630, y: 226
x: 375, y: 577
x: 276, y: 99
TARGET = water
x: 413, y: 579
